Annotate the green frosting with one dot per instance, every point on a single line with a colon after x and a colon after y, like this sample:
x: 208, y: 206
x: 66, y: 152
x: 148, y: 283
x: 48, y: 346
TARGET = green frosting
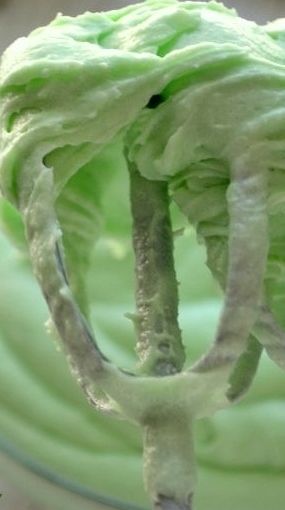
x: 189, y: 88
x: 75, y: 86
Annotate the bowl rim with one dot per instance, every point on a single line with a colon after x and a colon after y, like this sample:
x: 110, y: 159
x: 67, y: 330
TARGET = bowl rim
x: 49, y: 475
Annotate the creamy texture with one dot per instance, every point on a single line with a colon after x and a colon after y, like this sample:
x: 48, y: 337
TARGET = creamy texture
x: 72, y: 87
x: 71, y: 94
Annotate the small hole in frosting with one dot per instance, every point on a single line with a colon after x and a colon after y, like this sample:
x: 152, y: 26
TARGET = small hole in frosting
x: 155, y: 101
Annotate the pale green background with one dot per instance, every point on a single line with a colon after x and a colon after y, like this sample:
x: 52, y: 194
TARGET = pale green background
x: 19, y: 17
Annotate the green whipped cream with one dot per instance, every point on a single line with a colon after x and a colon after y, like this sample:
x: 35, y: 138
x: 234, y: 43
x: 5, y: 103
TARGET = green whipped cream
x: 188, y: 87
x: 75, y: 86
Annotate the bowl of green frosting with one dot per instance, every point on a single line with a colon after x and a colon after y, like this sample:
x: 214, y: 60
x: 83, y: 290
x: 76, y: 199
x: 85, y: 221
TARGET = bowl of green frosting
x: 190, y: 86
